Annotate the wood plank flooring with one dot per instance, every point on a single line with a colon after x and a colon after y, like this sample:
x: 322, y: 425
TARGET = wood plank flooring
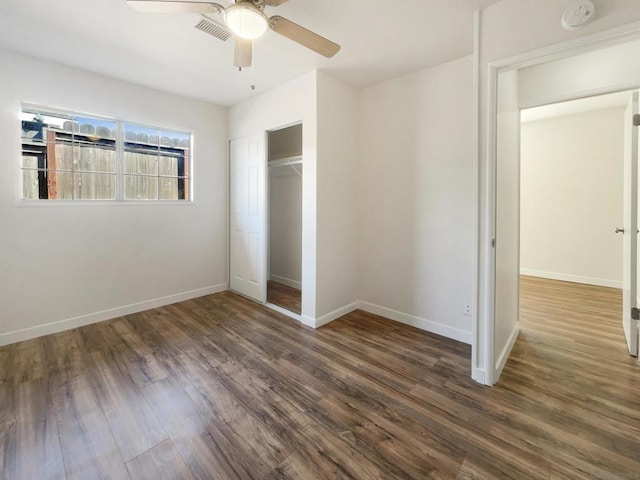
x: 221, y: 388
x: 284, y: 296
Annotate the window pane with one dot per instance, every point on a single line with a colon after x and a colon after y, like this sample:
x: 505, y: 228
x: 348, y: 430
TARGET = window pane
x: 60, y: 185
x: 93, y: 152
x: 30, y: 185
x: 33, y: 155
x: 29, y: 161
x: 37, y: 125
x: 95, y: 128
x: 169, y: 166
x: 139, y: 134
x: 140, y: 188
x: 141, y: 163
x: 169, y: 189
x: 60, y: 157
x: 169, y: 138
x: 95, y: 159
x: 92, y: 186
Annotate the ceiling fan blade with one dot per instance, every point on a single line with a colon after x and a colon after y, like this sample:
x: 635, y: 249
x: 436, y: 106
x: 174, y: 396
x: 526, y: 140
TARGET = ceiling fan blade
x: 243, y: 54
x: 170, y: 6
x: 274, y: 3
x: 303, y: 36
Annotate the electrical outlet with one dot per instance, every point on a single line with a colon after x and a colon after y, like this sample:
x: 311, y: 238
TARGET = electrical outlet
x: 467, y: 309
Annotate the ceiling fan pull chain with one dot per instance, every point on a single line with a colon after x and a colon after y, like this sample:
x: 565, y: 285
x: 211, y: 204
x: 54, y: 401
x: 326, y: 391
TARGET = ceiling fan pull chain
x: 253, y: 68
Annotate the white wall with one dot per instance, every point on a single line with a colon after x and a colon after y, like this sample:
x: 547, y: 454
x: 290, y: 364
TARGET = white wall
x: 572, y: 197
x: 75, y: 264
x: 337, y: 207
x: 285, y: 225
x: 507, y: 29
x: 291, y: 103
x: 582, y: 75
x: 415, y: 198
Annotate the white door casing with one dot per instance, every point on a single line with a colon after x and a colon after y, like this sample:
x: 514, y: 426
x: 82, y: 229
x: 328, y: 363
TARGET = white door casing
x: 247, y: 202
x: 630, y: 225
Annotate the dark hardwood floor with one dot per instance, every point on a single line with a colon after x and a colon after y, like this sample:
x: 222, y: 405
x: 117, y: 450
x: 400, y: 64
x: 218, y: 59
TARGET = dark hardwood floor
x: 284, y: 296
x: 221, y: 388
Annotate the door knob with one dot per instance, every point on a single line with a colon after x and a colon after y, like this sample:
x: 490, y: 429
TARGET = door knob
x: 619, y: 230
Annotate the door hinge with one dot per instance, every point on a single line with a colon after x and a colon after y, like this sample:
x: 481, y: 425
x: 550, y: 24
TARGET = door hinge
x: 493, y: 242
x: 635, y: 313
x: 636, y: 120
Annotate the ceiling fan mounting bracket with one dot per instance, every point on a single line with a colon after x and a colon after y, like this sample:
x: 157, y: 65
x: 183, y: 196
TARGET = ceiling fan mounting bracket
x: 259, y: 4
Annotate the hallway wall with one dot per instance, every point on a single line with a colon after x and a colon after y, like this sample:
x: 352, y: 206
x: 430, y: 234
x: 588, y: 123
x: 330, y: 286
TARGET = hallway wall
x: 571, y: 197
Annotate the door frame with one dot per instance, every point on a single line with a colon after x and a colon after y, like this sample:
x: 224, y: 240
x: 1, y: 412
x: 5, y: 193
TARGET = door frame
x: 484, y: 321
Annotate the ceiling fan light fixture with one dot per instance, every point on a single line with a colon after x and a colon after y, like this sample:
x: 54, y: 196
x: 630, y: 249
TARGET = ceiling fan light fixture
x: 246, y: 21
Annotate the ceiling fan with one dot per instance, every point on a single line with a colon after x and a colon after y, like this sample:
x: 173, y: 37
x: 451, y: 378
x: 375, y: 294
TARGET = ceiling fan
x: 247, y: 21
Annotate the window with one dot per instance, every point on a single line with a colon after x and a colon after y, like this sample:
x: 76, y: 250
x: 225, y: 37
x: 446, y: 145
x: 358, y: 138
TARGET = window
x: 66, y: 156
x: 156, y: 163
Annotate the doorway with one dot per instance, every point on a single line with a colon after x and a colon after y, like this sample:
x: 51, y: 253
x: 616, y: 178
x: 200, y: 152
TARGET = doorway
x: 536, y: 80
x: 284, y: 161
x: 571, y: 217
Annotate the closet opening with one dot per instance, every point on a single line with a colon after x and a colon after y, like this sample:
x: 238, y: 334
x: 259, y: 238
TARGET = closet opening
x: 284, y: 207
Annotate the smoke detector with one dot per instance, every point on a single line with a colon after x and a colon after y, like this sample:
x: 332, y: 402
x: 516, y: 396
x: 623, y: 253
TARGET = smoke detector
x: 578, y: 14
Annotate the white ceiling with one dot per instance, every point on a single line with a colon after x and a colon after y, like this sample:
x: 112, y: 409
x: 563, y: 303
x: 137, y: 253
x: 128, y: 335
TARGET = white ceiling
x: 572, y: 107
x: 381, y: 40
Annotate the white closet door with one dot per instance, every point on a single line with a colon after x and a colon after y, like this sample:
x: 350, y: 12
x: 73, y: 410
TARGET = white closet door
x: 247, y: 266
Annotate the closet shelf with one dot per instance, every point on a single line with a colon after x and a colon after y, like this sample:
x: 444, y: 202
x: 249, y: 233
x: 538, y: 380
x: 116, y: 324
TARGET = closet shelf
x: 281, y: 162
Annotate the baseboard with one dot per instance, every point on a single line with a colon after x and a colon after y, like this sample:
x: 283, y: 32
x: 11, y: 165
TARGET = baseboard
x: 566, y: 277
x: 506, y: 351
x: 337, y: 313
x: 286, y: 281
x: 82, y: 320
x: 308, y: 321
x: 479, y: 375
x: 328, y: 317
x: 284, y: 311
x: 421, y: 323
